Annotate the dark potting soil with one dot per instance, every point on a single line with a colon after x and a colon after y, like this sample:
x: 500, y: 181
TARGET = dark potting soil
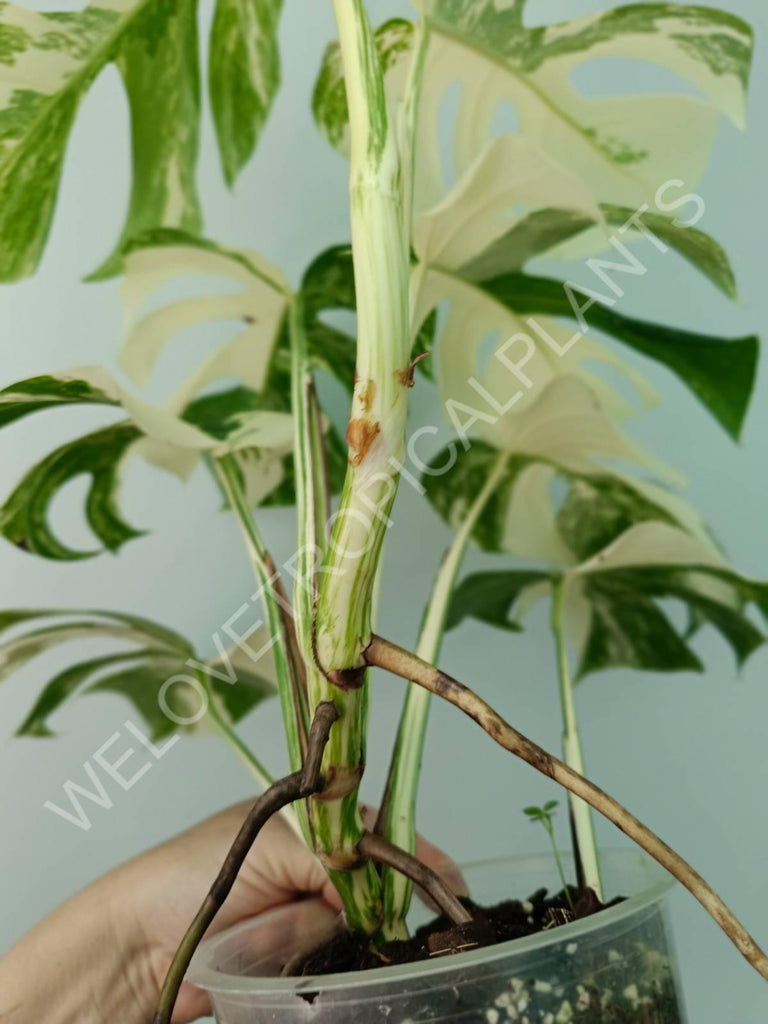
x: 631, y: 985
x: 511, y: 919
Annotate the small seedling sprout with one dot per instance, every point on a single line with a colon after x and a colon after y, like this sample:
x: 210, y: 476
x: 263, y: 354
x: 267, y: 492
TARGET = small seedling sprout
x: 544, y: 816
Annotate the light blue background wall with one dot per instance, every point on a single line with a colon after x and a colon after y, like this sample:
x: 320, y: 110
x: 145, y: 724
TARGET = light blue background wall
x: 687, y: 754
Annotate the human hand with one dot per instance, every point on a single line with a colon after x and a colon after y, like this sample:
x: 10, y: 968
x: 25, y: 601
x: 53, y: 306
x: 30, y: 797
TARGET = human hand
x: 105, y: 952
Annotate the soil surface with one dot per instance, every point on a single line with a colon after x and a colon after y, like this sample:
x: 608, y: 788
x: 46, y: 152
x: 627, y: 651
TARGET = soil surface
x: 512, y: 919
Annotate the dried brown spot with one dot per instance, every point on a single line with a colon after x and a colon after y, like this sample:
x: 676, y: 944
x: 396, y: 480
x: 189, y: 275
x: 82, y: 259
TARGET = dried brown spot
x: 340, y: 781
x: 367, y: 393
x: 347, y: 678
x: 342, y: 860
x: 360, y: 436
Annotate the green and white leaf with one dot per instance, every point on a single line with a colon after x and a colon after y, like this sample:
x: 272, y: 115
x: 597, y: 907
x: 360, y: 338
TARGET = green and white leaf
x: 544, y: 232
x: 611, y: 601
x: 579, y: 508
x: 484, y: 209
x: 137, y: 673
x: 257, y: 296
x: 255, y: 424
x: 243, y: 76
x: 49, y: 61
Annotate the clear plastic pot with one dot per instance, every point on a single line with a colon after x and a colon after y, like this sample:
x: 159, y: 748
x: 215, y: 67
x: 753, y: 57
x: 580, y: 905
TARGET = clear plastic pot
x: 616, y: 966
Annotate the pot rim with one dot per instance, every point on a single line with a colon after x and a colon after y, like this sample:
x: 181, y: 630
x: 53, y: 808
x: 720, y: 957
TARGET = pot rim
x: 218, y: 982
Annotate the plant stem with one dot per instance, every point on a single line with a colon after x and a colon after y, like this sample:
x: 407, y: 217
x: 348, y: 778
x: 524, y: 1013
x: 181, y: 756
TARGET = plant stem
x: 550, y: 830
x: 289, y: 684
x: 397, y: 817
x: 376, y: 438
x: 376, y: 431
x: 335, y: 819
x: 581, y: 814
x: 386, y: 655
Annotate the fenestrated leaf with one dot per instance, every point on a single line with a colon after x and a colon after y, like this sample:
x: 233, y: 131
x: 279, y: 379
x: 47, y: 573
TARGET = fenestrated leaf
x: 259, y: 304
x: 719, y: 371
x: 596, y: 511
x: 619, y: 146
x: 130, y: 627
x: 243, y: 76
x: 651, y: 561
x: 629, y: 630
x: 542, y: 231
x: 24, y: 517
x: 490, y: 597
x: 51, y: 59
x: 237, y: 418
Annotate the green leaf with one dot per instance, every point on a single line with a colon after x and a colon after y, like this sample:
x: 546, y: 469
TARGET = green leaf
x: 629, y: 630
x: 24, y: 517
x: 51, y: 59
x: 490, y: 597
x: 544, y: 230
x: 719, y: 371
x: 243, y: 76
x: 596, y: 511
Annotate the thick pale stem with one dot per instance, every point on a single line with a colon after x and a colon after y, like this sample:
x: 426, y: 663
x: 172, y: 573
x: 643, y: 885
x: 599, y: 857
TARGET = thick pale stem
x: 376, y: 439
x: 335, y: 816
x: 389, y: 656
x: 581, y: 813
x: 376, y: 431
x: 398, y: 813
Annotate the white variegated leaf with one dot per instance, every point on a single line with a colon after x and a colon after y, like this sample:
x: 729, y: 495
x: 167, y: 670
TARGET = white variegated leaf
x: 622, y: 148
x: 259, y: 303
x: 463, y: 353
x: 508, y: 179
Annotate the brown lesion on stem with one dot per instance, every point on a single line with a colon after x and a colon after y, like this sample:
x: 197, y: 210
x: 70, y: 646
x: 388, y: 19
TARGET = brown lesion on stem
x: 361, y: 433
x: 340, y: 781
x: 383, y: 654
x: 366, y: 394
x: 298, y: 786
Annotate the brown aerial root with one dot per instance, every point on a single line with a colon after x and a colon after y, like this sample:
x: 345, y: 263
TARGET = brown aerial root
x: 383, y: 654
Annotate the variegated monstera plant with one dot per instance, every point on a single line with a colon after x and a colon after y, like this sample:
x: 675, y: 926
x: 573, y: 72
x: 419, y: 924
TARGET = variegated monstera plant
x: 540, y: 466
